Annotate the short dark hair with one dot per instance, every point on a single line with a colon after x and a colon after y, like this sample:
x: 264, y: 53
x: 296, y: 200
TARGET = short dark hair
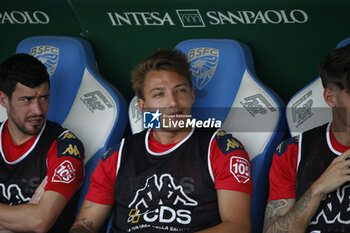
x: 335, y: 69
x: 22, y: 68
x: 162, y: 59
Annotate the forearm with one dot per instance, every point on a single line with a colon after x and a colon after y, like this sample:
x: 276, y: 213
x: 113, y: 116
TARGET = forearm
x: 82, y: 225
x: 27, y: 213
x: 234, y: 209
x: 79, y: 228
x: 297, y: 218
x: 4, y: 230
x: 33, y: 217
x: 91, y: 217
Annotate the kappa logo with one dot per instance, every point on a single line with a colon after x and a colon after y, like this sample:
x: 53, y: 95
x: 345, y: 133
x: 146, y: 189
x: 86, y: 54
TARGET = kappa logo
x: 72, y: 150
x: 227, y: 143
x: 283, y: 146
x: 12, y: 195
x: 69, y: 135
x: 232, y: 144
x: 220, y: 134
x: 335, y: 209
x: 203, y: 65
x: 155, y: 202
x: 64, y: 173
x: 69, y: 145
x: 48, y: 55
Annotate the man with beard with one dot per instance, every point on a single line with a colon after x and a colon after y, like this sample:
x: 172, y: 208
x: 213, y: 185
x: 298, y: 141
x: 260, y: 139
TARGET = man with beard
x: 35, y: 151
x: 170, y: 178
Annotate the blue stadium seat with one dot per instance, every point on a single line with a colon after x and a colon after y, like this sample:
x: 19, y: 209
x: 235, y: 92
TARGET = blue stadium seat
x: 81, y: 99
x: 227, y: 89
x: 307, y: 109
x: 135, y: 116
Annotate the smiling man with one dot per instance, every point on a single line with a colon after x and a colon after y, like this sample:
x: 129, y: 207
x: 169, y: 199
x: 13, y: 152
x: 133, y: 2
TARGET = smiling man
x: 35, y: 151
x: 169, y: 179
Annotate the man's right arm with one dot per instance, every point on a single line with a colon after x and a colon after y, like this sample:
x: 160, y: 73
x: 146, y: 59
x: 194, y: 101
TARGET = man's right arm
x: 286, y: 215
x: 91, y: 217
x: 34, y: 200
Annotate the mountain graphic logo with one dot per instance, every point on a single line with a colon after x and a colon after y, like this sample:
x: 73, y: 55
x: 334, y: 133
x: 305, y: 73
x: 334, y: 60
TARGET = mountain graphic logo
x: 161, y: 199
x: 12, y: 195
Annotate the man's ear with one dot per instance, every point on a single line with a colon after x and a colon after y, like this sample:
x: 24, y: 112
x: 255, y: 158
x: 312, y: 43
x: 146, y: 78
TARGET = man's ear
x: 330, y: 96
x: 4, y: 99
x: 141, y: 104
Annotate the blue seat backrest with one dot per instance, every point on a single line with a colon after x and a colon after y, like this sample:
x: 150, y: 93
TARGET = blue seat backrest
x: 227, y: 89
x: 307, y: 109
x: 81, y: 100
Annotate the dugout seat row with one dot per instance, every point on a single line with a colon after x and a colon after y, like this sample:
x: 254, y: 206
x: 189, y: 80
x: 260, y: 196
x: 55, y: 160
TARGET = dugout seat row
x: 226, y: 88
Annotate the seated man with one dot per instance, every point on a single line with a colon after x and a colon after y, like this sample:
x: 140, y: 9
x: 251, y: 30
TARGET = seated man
x: 170, y: 178
x: 34, y: 151
x: 309, y: 189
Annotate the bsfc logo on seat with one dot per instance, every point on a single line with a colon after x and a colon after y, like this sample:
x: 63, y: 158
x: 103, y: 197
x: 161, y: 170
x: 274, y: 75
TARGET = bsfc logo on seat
x: 48, y: 55
x: 203, y: 63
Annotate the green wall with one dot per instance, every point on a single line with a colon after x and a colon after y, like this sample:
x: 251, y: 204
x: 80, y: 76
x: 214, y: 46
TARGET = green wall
x: 288, y: 39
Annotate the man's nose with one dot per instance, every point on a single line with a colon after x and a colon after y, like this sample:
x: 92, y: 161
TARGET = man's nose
x: 173, y: 102
x: 37, y: 107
